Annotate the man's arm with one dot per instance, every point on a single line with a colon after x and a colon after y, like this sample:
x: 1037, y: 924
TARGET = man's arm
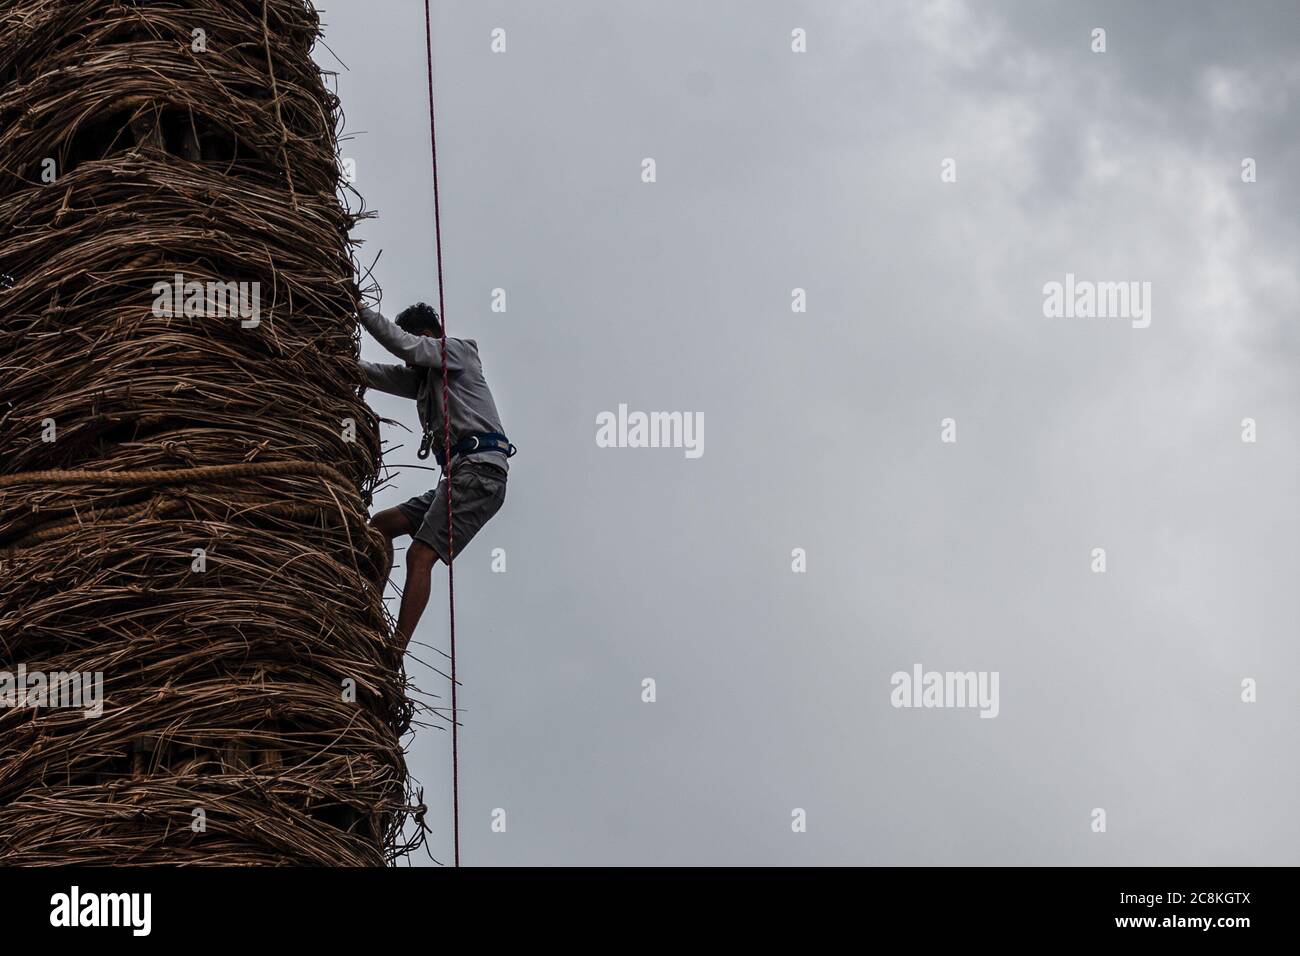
x: 414, y: 349
x: 393, y: 379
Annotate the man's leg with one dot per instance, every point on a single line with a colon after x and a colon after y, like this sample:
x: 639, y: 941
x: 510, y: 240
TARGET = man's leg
x: 420, y: 559
x: 391, y: 523
x: 478, y: 495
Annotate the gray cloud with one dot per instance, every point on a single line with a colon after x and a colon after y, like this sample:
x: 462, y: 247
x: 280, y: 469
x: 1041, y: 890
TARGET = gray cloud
x: 821, y: 171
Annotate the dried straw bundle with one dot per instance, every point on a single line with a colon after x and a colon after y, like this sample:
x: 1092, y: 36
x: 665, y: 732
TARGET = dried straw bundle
x: 227, y: 671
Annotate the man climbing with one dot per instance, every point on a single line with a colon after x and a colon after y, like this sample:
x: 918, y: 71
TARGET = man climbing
x: 479, y: 447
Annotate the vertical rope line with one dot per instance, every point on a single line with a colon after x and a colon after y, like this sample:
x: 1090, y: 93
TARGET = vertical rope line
x: 446, y: 450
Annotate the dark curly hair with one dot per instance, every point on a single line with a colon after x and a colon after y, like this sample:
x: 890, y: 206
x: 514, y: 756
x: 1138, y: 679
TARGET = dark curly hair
x: 418, y: 319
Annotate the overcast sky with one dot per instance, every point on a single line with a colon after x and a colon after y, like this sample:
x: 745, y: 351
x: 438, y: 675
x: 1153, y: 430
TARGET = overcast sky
x: 821, y: 170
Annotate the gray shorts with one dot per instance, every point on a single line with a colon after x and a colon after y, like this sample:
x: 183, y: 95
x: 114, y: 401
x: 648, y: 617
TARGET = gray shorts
x: 478, y: 490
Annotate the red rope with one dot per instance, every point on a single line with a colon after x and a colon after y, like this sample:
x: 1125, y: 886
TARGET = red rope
x: 446, y: 449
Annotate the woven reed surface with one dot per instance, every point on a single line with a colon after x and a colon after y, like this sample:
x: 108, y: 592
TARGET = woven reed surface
x: 226, y: 687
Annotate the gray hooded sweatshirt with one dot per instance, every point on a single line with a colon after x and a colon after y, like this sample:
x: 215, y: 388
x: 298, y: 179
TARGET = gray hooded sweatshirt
x: 473, y: 411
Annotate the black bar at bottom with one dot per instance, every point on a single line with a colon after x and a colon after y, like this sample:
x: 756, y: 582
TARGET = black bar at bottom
x: 206, y: 906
